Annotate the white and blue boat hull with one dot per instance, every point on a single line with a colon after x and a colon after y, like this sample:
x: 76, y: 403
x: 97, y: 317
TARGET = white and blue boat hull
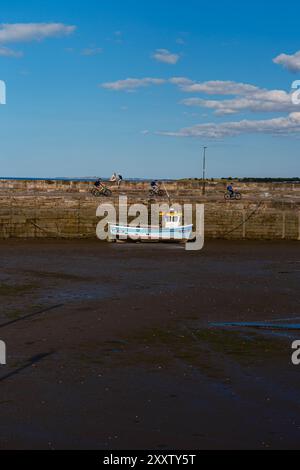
x: 151, y: 233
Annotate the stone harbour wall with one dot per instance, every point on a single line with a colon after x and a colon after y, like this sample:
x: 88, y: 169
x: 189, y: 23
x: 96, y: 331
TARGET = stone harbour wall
x: 67, y: 209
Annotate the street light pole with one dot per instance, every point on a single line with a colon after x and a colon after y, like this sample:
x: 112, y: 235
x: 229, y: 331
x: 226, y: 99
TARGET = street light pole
x: 204, y: 170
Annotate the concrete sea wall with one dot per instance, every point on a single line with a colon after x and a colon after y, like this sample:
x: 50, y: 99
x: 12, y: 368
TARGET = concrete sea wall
x: 56, y: 209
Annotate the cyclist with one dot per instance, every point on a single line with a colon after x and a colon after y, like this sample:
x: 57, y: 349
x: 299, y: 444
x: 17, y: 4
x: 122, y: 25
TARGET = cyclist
x: 98, y: 183
x: 230, y: 190
x: 120, y: 180
x: 154, y: 186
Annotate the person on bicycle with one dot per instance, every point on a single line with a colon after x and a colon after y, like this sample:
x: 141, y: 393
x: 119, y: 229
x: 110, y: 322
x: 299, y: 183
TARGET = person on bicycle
x: 98, y: 183
x: 230, y: 190
x: 154, y: 185
x: 120, y: 180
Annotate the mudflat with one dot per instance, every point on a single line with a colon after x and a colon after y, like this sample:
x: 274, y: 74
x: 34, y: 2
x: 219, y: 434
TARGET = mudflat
x: 127, y: 346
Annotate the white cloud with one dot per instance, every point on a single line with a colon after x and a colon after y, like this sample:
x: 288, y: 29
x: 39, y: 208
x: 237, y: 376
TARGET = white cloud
x: 246, y: 97
x: 258, y: 101
x: 290, y: 62
x: 23, y: 32
x: 182, y: 82
x: 6, y: 52
x: 215, y: 87
x: 187, y: 85
x: 90, y: 51
x: 165, y: 56
x: 278, y: 126
x: 131, y: 84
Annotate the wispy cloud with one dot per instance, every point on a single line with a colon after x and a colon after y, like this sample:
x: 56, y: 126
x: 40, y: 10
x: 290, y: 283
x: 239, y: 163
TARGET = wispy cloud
x: 165, y: 56
x: 246, y: 97
x: 213, y: 87
x: 279, y: 126
x: 118, y: 37
x: 290, y: 62
x: 181, y: 81
x: 90, y: 51
x: 259, y: 100
x: 131, y: 84
x: 216, y: 87
x: 26, y: 32
x: 6, y: 52
x: 23, y: 32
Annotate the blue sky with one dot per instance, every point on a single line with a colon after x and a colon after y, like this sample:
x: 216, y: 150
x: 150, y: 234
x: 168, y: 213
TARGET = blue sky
x: 216, y: 74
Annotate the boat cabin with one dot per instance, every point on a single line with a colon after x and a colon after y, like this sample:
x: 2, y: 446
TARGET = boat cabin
x: 172, y: 219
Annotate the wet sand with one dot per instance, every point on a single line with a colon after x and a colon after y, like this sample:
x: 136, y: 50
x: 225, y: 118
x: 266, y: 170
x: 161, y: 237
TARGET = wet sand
x: 113, y: 347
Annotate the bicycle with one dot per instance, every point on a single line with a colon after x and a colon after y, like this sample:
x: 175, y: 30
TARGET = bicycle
x: 156, y: 192
x: 235, y: 195
x: 101, y: 191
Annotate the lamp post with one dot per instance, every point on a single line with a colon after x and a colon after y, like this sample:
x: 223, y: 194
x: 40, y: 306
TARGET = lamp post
x: 204, y: 170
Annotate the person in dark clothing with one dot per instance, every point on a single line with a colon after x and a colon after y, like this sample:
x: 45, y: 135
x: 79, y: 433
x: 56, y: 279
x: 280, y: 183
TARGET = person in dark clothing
x: 120, y: 180
x: 230, y: 189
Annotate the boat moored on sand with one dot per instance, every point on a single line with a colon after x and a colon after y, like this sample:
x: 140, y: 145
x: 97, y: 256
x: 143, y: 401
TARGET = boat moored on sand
x: 170, y: 229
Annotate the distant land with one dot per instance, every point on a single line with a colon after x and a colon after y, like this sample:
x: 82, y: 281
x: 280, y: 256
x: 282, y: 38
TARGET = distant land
x: 67, y: 178
x: 93, y: 178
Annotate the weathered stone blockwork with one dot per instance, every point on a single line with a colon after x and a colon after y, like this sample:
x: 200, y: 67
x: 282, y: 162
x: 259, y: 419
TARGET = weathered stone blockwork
x: 35, y: 209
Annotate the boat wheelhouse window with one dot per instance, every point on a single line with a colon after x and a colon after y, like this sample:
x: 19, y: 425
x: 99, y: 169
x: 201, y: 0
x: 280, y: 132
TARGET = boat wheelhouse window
x: 172, y: 218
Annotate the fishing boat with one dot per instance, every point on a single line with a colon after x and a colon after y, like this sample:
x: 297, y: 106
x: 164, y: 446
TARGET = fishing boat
x: 171, y: 229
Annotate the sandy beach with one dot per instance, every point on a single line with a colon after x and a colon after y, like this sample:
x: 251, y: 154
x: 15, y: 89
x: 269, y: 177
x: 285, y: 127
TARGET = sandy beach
x: 116, y: 347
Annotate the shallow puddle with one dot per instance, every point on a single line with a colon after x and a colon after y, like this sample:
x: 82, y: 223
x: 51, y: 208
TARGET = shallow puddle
x: 260, y: 325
